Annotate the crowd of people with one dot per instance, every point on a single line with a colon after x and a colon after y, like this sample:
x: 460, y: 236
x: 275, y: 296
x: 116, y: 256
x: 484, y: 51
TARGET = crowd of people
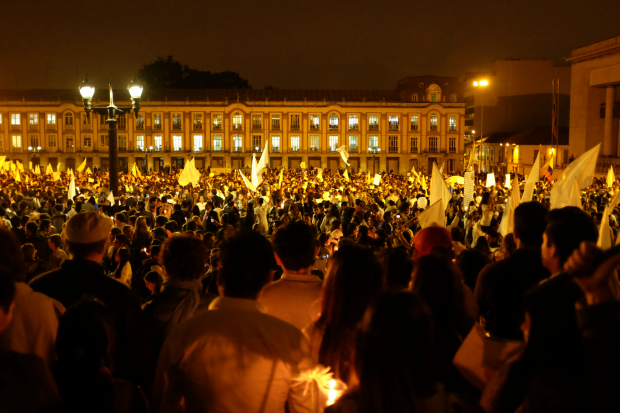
x: 314, y: 291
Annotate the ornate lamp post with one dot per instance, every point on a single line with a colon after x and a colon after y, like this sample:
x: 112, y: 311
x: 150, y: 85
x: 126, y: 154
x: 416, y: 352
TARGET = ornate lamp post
x: 135, y: 91
x: 374, y: 150
x: 146, y: 156
x: 481, y: 84
x: 35, y: 151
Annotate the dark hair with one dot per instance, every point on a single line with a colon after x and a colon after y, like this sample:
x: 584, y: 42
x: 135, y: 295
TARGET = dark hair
x: 184, y: 257
x: 471, y: 262
x: 161, y: 220
x: 122, y: 238
x: 155, y: 249
x: 56, y: 240
x: 32, y: 227
x: 82, y: 251
x: 246, y: 260
x: 354, y: 280
x: 124, y: 256
x: 11, y: 256
x: 530, y: 223
x: 295, y: 246
x: 44, y: 224
x: 393, y: 356
x: 396, y: 267
x: 121, y: 217
x: 568, y: 229
x: 155, y: 278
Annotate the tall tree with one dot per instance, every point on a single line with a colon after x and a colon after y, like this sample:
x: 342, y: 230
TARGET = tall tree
x: 167, y: 73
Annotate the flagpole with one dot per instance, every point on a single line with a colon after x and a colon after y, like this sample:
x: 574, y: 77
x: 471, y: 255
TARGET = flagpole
x: 557, y: 138
x: 552, y: 108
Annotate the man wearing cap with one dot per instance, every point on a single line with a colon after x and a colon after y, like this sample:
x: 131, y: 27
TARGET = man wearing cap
x: 83, y: 275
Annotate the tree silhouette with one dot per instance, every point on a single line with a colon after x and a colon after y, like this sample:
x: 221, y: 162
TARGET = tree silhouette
x: 167, y: 73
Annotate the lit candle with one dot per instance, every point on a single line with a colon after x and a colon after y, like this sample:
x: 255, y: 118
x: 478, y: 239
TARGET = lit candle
x: 332, y: 393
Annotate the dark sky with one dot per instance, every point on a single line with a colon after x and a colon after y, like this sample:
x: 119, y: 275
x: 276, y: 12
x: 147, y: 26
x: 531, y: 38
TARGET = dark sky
x: 337, y: 44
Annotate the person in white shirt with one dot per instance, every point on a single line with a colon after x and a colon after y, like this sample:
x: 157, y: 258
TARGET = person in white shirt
x: 260, y: 212
x: 234, y: 358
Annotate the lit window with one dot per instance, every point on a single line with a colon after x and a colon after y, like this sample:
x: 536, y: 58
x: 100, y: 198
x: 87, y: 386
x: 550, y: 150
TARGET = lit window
x: 157, y: 121
x: 104, y: 140
x: 373, y: 122
x: 198, y: 142
x: 217, y: 122
x: 432, y: 144
x: 314, y: 143
x: 414, y: 122
x: 373, y: 142
x: 275, y: 122
x: 140, y: 142
x: 333, y: 143
x: 69, y: 142
x: 294, y: 143
x: 275, y: 143
x: 177, y: 121
x: 17, y: 141
x: 122, y: 142
x: 433, y: 122
x: 414, y: 144
x: 393, y: 143
x: 237, y: 121
x: 237, y: 143
x: 452, y: 120
x: 314, y: 122
x: 33, y: 119
x: 333, y: 121
x: 353, y: 147
x: 256, y: 142
x: 16, y: 119
x: 354, y: 122
x: 197, y: 120
x: 295, y: 123
x: 0, y: 118
x: 177, y: 142
x: 393, y: 122
x: 257, y: 121
x: 217, y: 142
x: 88, y: 141
x: 157, y: 139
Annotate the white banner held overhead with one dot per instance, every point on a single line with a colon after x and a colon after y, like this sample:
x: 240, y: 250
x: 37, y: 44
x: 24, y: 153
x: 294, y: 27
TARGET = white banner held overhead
x: 490, y: 180
x: 468, y: 194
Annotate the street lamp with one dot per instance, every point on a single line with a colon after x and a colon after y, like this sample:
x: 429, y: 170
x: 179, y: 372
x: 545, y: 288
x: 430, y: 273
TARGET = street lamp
x: 481, y: 84
x: 374, y: 150
x: 146, y: 156
x: 34, y: 151
x: 87, y: 90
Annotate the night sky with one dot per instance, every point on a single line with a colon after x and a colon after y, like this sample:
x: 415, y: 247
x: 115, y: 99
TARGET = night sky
x: 289, y: 44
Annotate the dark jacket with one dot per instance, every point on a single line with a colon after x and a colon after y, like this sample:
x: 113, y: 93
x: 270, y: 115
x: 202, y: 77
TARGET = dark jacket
x: 40, y: 244
x: 501, y: 287
x: 134, y: 359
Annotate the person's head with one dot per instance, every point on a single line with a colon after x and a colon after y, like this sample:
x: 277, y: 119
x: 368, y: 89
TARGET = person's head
x: 120, y: 241
x: 29, y: 251
x: 209, y: 240
x: 85, y: 337
x: 153, y: 281
x: 141, y: 224
x: 32, y: 228
x: 568, y: 228
x: 160, y: 221
x: 294, y: 247
x: 122, y: 256
x: 470, y: 263
x: 183, y: 257
x: 244, y: 277
x: 86, y: 235
x: 55, y: 242
x: 529, y: 224
x: 120, y: 219
x: 11, y: 256
x: 429, y: 239
x: 396, y: 266
x: 393, y: 353
x: 45, y: 225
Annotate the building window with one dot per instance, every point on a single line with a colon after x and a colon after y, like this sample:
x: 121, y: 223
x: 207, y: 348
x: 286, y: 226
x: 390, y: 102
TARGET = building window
x: 354, y: 122
x: 157, y: 140
x: 122, y: 142
x: 314, y: 122
x: 373, y: 142
x: 433, y: 122
x: 177, y: 121
x: 314, y: 143
x: 177, y: 143
x: 275, y: 122
x: 432, y: 144
x: 237, y: 143
x: 122, y: 121
x: 198, y: 142
x: 256, y: 142
x: 85, y: 121
x: 414, y: 144
x: 393, y: 143
x: 414, y: 97
x: 257, y: 121
x: 68, y: 120
x: 237, y: 121
x: 452, y: 120
x: 217, y: 143
x: 275, y: 143
x: 217, y: 122
x: 33, y: 120
x: 294, y: 143
x: 104, y: 140
x: 51, y: 141
x: 452, y: 144
x: 88, y: 141
x: 69, y: 142
x: 17, y: 141
x: 51, y: 120
x: 353, y: 147
x: 333, y: 143
x: 295, y: 123
x: 1, y: 121
x: 373, y: 122
x: 333, y: 121
x: 140, y: 142
x: 433, y: 98
x: 34, y: 140
x: 157, y: 121
x: 414, y: 122
x: 197, y: 121
x: 393, y: 122
x: 140, y: 122
x: 16, y: 119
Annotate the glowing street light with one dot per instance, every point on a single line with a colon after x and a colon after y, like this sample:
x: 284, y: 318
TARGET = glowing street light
x: 480, y: 83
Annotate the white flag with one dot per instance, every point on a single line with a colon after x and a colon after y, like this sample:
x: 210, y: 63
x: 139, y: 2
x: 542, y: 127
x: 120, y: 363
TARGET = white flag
x: 579, y: 172
x: 435, y: 214
x: 532, y: 179
x: 610, y: 177
x: 490, y: 180
x: 344, y: 154
x: 71, y: 192
x: 111, y: 198
x: 439, y: 190
x: 254, y: 172
x: 604, y: 232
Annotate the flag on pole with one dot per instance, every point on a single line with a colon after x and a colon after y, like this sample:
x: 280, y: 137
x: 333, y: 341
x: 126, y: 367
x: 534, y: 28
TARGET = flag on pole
x: 344, y: 154
x: 49, y: 170
x: 17, y: 178
x: 610, y: 177
x: 434, y: 215
x: 579, y: 174
x: 346, y: 175
x: 247, y: 183
x: 82, y: 166
x: 111, y: 198
x: 71, y: 191
x: 439, y: 190
x: 88, y: 171
x: 37, y: 170
x: 547, y: 169
x: 532, y: 179
x: 282, y: 177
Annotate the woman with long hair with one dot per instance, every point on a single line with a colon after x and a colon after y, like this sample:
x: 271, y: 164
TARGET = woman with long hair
x: 123, y: 270
x: 332, y: 215
x: 352, y: 282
